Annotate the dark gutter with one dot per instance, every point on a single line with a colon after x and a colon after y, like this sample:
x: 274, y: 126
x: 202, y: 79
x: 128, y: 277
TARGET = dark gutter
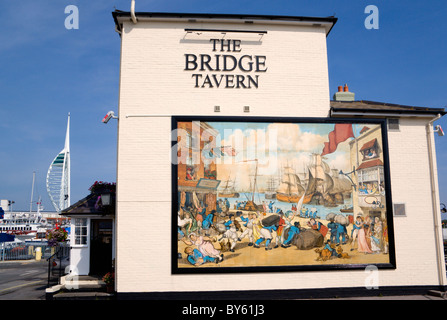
x: 384, y: 104
x: 118, y: 13
x: 363, y: 111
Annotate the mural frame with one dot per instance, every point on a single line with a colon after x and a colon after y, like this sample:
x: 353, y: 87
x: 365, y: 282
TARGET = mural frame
x: 175, y: 269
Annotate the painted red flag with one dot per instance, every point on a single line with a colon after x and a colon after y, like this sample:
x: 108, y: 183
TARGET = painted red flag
x: 341, y: 132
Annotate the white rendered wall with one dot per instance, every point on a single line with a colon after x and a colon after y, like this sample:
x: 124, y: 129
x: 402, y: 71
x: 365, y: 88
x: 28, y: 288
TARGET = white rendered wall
x: 153, y: 81
x: 410, y: 181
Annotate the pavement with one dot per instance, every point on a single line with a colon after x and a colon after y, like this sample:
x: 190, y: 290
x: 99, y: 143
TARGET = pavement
x: 401, y: 297
x: 27, y: 280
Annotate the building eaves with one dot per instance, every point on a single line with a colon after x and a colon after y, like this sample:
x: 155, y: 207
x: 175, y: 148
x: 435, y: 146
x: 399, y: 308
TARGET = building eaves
x: 330, y: 21
x: 80, y: 206
x: 370, y: 108
x: 87, y: 206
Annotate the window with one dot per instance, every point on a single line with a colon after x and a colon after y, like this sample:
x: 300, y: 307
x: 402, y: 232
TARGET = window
x: 370, y: 150
x: 80, y: 231
x: 371, y: 181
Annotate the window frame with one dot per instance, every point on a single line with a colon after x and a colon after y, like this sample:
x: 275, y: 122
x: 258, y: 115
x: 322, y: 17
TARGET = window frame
x: 75, y: 236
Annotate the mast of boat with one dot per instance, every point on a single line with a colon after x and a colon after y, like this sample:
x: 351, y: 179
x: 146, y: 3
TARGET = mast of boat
x: 301, y: 201
x: 32, y: 193
x: 254, y: 180
x: 226, y: 185
x: 39, y: 205
x: 289, y: 191
x: 271, y: 184
x: 67, y: 182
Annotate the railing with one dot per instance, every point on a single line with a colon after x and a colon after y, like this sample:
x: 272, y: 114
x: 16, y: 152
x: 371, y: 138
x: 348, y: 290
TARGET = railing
x: 22, y: 251
x: 58, y: 257
x: 57, y: 263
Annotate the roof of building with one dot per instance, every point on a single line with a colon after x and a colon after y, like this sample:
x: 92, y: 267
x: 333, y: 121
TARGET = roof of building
x: 364, y: 129
x: 88, y: 205
x: 370, y: 164
x: 368, y: 145
x: 373, y: 107
x: 327, y: 22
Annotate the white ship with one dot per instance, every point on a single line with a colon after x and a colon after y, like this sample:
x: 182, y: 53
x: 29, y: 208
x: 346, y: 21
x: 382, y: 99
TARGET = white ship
x: 23, y: 223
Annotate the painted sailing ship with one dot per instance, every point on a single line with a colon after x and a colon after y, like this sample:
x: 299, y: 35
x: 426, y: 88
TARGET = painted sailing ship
x: 229, y: 190
x: 341, y: 187
x: 329, y: 188
x: 320, y: 181
x: 250, y: 205
x: 290, y: 189
x: 270, y: 192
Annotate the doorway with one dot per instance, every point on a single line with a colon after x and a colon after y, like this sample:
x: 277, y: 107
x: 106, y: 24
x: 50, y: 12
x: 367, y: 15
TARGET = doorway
x: 101, y: 246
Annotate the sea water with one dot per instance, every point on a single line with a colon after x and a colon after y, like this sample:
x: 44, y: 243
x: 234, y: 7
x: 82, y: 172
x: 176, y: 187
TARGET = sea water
x: 259, y: 199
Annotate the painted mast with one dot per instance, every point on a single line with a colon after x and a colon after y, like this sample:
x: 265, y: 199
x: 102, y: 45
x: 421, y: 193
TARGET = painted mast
x: 58, y: 176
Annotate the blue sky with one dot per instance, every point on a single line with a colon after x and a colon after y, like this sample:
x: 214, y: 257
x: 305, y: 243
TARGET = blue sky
x: 48, y: 71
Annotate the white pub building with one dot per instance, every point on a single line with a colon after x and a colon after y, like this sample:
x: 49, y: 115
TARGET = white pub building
x: 190, y: 85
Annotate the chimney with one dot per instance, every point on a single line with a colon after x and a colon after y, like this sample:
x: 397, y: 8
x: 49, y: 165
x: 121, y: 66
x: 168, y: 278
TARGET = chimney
x: 344, y: 94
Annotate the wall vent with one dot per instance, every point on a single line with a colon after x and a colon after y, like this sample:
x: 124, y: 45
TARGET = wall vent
x: 399, y: 210
x: 393, y: 124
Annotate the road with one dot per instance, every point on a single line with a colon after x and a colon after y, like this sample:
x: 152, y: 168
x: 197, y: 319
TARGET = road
x: 23, y: 280
x: 27, y: 280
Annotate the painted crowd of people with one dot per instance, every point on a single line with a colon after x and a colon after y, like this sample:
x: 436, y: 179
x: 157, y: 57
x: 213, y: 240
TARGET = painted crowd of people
x: 200, y: 231
x: 370, y: 235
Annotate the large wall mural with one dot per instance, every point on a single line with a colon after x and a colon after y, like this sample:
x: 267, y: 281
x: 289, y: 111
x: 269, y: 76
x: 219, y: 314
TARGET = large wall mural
x: 255, y: 194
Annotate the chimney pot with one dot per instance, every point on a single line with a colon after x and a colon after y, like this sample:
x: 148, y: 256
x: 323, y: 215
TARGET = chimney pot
x: 344, y: 94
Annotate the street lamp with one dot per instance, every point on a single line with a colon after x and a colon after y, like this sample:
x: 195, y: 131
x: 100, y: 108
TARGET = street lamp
x: 108, y: 116
x: 347, y: 176
x: 439, y: 131
x: 444, y: 209
x: 106, y: 199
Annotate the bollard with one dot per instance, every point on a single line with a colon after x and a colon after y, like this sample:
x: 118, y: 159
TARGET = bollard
x: 31, y: 251
x: 38, y: 253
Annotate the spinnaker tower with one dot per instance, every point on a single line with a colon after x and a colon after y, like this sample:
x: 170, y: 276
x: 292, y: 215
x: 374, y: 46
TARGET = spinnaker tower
x: 58, y: 176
